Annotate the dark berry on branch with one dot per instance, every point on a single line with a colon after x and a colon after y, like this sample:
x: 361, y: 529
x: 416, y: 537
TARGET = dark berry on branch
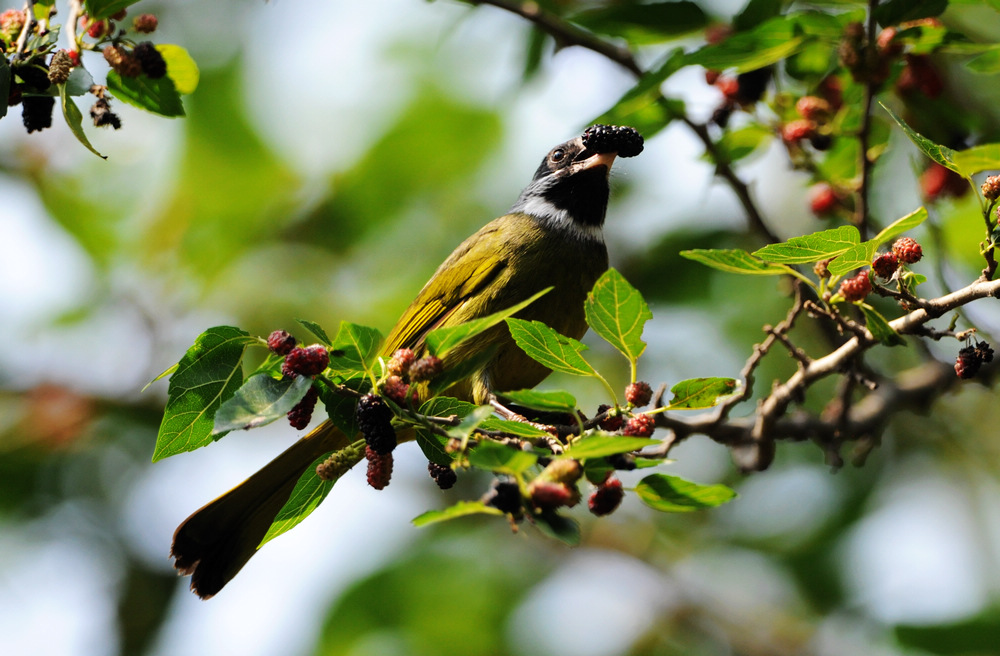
x: 752, y: 85
x: 607, y: 497
x: 621, y: 461
x: 620, y: 139
x: 885, y: 265
x: 984, y: 352
x: 150, y: 59
x: 36, y: 112
x: 14, y: 95
x: 611, y: 423
x: 967, y: 363
x: 281, y: 342
x: 426, y: 368
x: 379, y: 468
x: 445, y: 477
x: 907, y: 250
x: 375, y: 422
x: 35, y: 75
x: 300, y: 415
x: 505, y: 496
x: 640, y: 426
x: 856, y: 288
x: 638, y: 393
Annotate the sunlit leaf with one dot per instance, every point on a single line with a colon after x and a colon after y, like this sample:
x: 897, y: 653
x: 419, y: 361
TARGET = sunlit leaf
x: 501, y: 459
x: 74, y: 119
x: 617, y: 312
x: 734, y: 261
x: 442, y: 340
x: 879, y: 327
x: 181, y: 68
x: 811, y: 248
x: 603, y: 445
x: 673, y: 494
x: 259, y: 401
x: 941, y: 154
x: 157, y: 96
x: 316, y: 330
x: 695, y: 393
x: 984, y: 157
x: 899, y: 226
x: 546, y: 346
x: 460, y: 509
x: 555, y: 401
x: 354, y: 350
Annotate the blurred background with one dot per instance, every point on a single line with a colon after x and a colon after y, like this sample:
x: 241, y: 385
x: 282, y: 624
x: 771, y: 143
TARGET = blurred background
x: 332, y: 156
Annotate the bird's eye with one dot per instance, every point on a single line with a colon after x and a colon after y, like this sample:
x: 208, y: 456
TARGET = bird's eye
x: 557, y: 155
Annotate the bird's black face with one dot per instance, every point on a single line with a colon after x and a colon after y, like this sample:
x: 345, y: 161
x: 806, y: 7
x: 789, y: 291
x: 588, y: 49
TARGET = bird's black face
x: 570, y: 185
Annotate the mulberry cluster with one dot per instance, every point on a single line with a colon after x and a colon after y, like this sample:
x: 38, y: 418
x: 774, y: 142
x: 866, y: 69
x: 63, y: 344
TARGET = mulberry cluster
x: 907, y: 250
x: 300, y: 415
x: 445, y: 477
x: 885, y: 265
x: 375, y: 421
x: 36, y: 112
x: 281, y: 342
x: 626, y: 141
x: 607, y: 497
x: 639, y: 393
x: 640, y: 426
x: 971, y: 358
x: 856, y: 288
x: 379, y: 468
x: 308, y: 361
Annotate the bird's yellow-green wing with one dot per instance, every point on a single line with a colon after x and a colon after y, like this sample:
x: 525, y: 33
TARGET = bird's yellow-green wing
x: 474, y: 265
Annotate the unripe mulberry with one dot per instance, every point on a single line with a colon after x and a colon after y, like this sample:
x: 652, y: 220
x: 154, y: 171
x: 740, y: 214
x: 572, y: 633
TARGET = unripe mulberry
x: 36, y: 112
x: 445, y: 477
x: 907, y: 250
x: 640, y: 426
x: 145, y: 23
x: 379, y: 468
x: 281, y: 342
x: 396, y: 389
x: 307, y: 361
x: 375, y: 422
x: 300, y: 415
x: 400, y: 362
x: 885, y: 265
x: 823, y: 200
x: 729, y: 87
x: 991, y: 187
x: 856, y: 288
x: 59, y: 67
x: 150, y: 59
x: 607, y: 497
x: 813, y: 108
x: 967, y: 363
x: 547, y: 495
x: 98, y: 29
x: 797, y: 130
x: 426, y: 368
x: 638, y: 393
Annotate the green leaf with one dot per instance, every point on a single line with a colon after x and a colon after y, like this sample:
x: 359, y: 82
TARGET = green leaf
x: 737, y: 144
x: 643, y: 106
x: 756, y: 12
x: 767, y: 43
x: 879, y: 327
x: 899, y: 226
x: 674, y: 494
x: 895, y: 12
x: 988, y: 63
x: 105, y: 8
x: 308, y: 493
x: 470, y: 422
x: 341, y: 408
x: 984, y: 157
x: 557, y: 527
x: 442, y: 340
x: 696, y: 393
x: 811, y: 248
x: 208, y: 374
x: 354, y: 350
x: 603, y: 445
x: 181, y: 68
x: 41, y: 8
x: 941, y: 154
x: 652, y: 22
x: 259, y: 401
x: 460, y: 509
x: 555, y: 401
x: 501, y: 459
x: 316, y: 330
x: 617, y: 312
x: 518, y: 428
x: 74, y: 119
x: 546, y: 346
x: 734, y: 261
x: 854, y: 258
x: 431, y: 443
x: 157, y: 96
x: 79, y: 82
x: 166, y: 372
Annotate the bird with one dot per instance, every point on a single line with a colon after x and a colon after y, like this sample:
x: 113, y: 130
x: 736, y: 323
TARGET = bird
x: 552, y: 236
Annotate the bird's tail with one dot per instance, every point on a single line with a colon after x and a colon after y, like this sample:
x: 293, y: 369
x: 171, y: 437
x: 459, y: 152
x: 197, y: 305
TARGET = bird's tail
x: 215, y: 542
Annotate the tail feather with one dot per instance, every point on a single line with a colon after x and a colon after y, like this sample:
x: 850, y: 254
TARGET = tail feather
x: 215, y: 542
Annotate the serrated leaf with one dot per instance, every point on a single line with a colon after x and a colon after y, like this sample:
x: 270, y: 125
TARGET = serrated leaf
x: 208, y: 374
x: 984, y: 157
x: 546, y: 346
x: 734, y: 261
x: 899, y: 226
x: 674, y: 494
x: 460, y: 509
x: 316, y: 330
x: 854, y: 258
x: 105, y: 8
x: 555, y: 401
x: 557, y: 527
x: 158, y: 96
x: 617, y: 312
x: 941, y: 154
x: 308, y: 493
x: 501, y: 459
x: 879, y: 327
x: 431, y: 443
x: 811, y: 248
x: 354, y: 350
x: 603, y: 445
x: 259, y: 401
x: 442, y: 340
x: 695, y: 393
x: 74, y: 119
x: 181, y: 68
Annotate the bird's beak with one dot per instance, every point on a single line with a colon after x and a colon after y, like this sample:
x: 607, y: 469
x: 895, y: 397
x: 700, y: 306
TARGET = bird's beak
x: 593, y: 161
